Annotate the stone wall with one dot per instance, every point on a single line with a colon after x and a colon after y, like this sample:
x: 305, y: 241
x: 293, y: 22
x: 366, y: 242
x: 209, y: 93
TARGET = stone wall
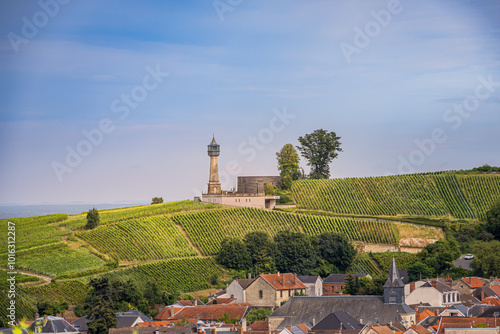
x: 249, y: 184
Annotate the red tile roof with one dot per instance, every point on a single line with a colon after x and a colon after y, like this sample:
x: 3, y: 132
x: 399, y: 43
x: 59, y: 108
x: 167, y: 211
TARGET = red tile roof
x: 222, y: 301
x: 156, y: 324
x: 491, y: 301
x: 259, y: 326
x: 165, y: 313
x: 424, y: 314
x: 283, y: 281
x: 473, y: 282
x: 420, y: 329
x: 462, y: 322
x: 381, y: 329
x: 495, y: 288
x: 210, y: 312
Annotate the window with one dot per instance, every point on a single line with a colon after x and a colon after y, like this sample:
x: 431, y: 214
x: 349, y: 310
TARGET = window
x: 260, y: 294
x: 444, y: 298
x: 289, y: 293
x: 281, y: 293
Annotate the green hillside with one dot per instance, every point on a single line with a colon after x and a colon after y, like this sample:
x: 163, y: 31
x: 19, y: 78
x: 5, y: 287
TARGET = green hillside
x: 436, y: 195
x: 204, y: 228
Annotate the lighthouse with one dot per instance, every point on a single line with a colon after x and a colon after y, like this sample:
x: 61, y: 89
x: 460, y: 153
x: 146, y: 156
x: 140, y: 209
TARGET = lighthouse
x: 213, y: 181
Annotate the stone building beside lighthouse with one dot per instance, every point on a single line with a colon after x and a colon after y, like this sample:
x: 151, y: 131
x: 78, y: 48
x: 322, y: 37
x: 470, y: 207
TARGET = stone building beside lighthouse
x: 250, y: 188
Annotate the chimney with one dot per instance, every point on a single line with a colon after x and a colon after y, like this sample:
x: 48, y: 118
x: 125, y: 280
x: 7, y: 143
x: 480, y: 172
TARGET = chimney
x: 278, y: 273
x: 482, y: 294
x: 244, y: 325
x: 314, y: 322
x: 232, y: 296
x: 249, y: 275
x: 196, y: 302
x: 294, y: 278
x: 172, y: 311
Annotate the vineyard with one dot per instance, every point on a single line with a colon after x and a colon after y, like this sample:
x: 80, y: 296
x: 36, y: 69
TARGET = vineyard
x: 461, y: 196
x: 189, y: 274
x: 56, y: 259
x: 204, y: 228
x: 140, y: 239
x: 73, y: 292
x: 363, y: 264
x: 403, y: 260
x: 33, y: 231
x: 116, y: 215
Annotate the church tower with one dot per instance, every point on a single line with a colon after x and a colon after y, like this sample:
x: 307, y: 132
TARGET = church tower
x: 213, y: 181
x: 394, y: 288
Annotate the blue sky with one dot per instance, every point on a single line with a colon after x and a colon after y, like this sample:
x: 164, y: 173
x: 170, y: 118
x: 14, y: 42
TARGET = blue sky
x: 410, y: 86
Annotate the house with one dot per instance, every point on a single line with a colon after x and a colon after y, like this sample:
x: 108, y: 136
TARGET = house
x: 462, y: 325
x: 314, y: 285
x: 468, y: 284
x: 273, y: 289
x: 123, y: 319
x: 336, y: 282
x: 211, y: 313
x: 390, y: 307
x: 188, y: 329
x: 413, y: 285
x: 457, y: 310
x: 50, y: 324
x: 337, y: 321
x: 167, y: 312
x: 220, y: 294
x: 417, y: 329
x: 183, y: 303
x: 377, y: 329
x: 299, y: 329
x: 485, y: 292
x: 222, y: 301
x: 237, y: 288
x: 434, y: 293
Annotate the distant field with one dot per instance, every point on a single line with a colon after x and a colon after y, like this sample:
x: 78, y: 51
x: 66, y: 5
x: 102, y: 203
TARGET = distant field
x: 436, y: 195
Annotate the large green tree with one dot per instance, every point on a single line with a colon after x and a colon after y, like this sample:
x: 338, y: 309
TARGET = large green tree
x: 493, y: 220
x: 294, y: 253
x: 100, y: 301
x: 335, y: 248
x: 486, y: 258
x: 319, y: 148
x: 233, y: 254
x: 92, y: 219
x: 261, y: 249
x: 288, y: 165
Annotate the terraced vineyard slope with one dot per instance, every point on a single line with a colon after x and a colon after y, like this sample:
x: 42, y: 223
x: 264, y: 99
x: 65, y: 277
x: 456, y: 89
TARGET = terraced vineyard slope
x: 461, y: 196
x: 207, y: 229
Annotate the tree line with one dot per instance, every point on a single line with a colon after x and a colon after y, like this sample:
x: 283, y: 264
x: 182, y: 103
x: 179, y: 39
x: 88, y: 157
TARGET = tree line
x: 288, y: 251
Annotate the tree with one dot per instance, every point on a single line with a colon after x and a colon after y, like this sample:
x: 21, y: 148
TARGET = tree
x: 335, y: 248
x: 486, y: 258
x: 92, y: 219
x: 261, y: 250
x: 258, y: 314
x: 294, y: 253
x: 493, y: 220
x: 419, y: 270
x: 157, y: 200
x: 319, y: 148
x: 233, y: 254
x: 288, y: 165
x: 101, y: 312
x: 351, y: 284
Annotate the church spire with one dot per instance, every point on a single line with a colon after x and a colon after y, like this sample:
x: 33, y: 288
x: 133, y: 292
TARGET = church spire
x: 393, y: 280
